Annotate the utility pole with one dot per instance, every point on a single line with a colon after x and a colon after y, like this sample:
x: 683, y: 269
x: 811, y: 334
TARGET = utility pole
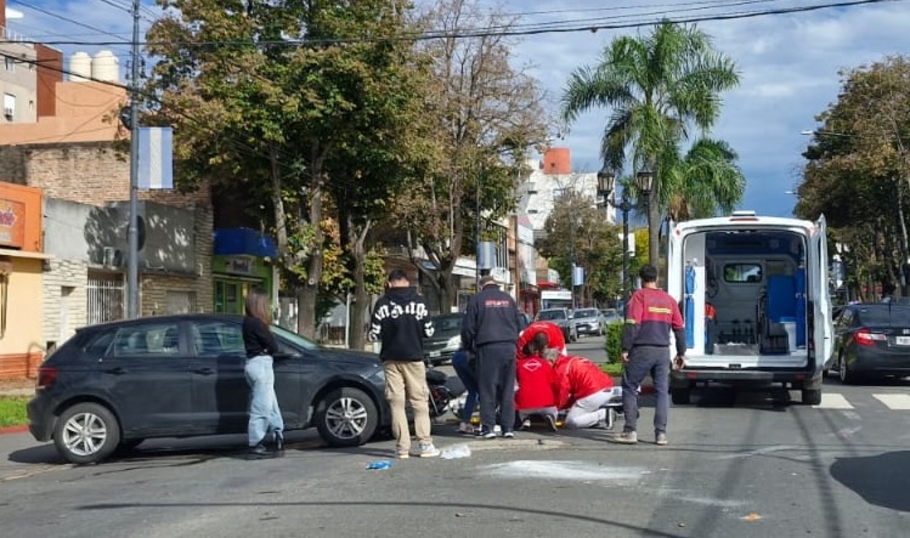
x: 133, y: 231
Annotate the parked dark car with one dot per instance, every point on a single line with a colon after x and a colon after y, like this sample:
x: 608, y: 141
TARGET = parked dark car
x: 113, y: 385
x: 872, y: 340
x: 446, y: 338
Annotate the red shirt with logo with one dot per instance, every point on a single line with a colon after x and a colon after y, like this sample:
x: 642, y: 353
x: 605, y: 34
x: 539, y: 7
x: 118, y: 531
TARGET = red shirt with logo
x: 536, y: 384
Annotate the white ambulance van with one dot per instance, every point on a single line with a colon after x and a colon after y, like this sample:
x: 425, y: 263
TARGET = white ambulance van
x: 754, y: 295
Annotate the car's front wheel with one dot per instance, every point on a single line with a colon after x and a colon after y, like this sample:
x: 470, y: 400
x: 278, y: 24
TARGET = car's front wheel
x: 346, y: 417
x: 86, y: 433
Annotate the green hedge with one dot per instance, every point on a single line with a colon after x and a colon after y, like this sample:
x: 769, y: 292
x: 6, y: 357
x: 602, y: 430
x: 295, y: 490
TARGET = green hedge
x: 614, y: 343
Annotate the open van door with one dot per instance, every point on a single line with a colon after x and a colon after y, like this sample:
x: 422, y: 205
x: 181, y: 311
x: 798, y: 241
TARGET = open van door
x: 822, y: 323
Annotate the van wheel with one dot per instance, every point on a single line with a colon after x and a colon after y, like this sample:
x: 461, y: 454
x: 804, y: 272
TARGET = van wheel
x: 680, y: 396
x: 812, y: 396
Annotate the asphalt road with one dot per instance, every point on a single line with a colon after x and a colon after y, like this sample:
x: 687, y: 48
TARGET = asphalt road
x: 753, y: 465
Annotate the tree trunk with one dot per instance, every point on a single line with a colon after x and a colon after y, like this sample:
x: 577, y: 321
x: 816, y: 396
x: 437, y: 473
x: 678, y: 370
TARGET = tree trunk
x: 448, y: 293
x: 281, y: 231
x: 309, y: 291
x: 653, y: 227
x: 361, y: 300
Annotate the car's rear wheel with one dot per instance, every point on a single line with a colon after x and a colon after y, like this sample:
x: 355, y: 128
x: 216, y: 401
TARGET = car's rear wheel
x: 844, y: 373
x: 346, y: 417
x: 86, y: 433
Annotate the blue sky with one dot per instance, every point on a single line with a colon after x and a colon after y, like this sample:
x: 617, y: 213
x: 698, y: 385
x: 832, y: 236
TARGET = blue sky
x: 788, y: 65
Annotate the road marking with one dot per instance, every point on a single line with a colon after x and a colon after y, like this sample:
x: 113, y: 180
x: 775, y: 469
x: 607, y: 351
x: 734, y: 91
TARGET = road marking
x: 894, y: 401
x: 833, y: 401
x: 565, y: 470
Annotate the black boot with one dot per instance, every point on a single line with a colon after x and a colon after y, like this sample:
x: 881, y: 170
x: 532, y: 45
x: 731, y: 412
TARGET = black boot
x: 258, y: 451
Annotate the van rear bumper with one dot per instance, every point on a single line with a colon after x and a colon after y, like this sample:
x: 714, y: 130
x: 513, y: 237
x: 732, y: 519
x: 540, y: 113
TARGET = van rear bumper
x: 686, y: 376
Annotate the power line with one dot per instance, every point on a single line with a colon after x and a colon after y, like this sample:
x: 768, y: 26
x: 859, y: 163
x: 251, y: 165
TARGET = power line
x: 519, y: 30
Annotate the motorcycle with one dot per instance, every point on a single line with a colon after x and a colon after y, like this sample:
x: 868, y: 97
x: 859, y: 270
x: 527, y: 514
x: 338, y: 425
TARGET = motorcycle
x: 444, y: 390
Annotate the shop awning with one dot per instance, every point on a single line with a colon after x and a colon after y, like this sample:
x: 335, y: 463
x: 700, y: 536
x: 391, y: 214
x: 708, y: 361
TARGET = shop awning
x: 12, y: 253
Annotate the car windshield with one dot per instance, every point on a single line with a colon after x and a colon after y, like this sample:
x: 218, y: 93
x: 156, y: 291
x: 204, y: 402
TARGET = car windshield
x: 551, y: 314
x: 884, y: 315
x: 585, y: 314
x: 294, y: 338
x: 447, y: 323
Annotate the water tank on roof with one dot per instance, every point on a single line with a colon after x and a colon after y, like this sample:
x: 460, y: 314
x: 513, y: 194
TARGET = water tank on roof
x: 106, y: 67
x: 80, y: 67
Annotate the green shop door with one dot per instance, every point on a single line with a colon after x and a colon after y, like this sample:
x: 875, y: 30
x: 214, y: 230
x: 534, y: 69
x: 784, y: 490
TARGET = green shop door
x: 229, y: 294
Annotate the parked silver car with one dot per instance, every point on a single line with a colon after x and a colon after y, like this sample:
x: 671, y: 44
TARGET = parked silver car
x: 588, y: 321
x: 561, y: 317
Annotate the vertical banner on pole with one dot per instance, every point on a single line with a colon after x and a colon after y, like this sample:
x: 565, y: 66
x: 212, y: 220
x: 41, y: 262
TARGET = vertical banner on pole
x: 156, y: 168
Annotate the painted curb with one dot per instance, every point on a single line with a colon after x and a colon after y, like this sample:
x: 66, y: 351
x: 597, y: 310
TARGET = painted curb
x: 14, y: 429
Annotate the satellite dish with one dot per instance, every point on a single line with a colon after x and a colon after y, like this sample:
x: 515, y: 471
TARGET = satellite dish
x: 13, y: 14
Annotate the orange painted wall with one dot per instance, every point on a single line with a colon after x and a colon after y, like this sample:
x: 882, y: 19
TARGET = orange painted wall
x: 557, y: 161
x: 22, y: 204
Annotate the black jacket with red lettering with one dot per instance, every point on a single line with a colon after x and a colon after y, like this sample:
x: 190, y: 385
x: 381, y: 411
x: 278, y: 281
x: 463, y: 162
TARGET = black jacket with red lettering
x: 650, y: 316
x: 491, y: 317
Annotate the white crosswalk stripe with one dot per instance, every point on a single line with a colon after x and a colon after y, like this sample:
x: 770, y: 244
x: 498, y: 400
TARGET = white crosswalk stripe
x: 833, y: 401
x: 894, y: 401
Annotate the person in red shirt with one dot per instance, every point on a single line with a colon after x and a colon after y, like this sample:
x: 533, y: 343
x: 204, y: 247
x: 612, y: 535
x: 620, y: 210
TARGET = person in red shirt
x: 554, y: 334
x: 583, y: 388
x: 537, y: 386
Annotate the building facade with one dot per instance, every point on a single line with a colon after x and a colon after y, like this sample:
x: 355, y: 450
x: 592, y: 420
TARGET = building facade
x: 22, y: 264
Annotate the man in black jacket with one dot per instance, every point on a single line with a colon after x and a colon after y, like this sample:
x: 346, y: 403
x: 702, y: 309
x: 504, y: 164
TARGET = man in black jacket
x: 490, y: 329
x: 400, y: 321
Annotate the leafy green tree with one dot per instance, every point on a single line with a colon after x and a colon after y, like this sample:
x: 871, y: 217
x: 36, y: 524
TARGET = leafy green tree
x: 658, y: 86
x: 481, y: 115
x: 577, y: 229
x: 269, y: 93
x: 858, y: 173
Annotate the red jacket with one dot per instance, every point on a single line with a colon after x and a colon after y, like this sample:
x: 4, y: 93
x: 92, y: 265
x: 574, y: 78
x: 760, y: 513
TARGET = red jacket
x: 537, y: 384
x: 579, y: 378
x: 554, y: 336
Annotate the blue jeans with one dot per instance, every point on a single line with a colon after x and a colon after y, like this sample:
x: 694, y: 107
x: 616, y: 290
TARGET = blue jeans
x: 265, y: 417
x: 468, y: 378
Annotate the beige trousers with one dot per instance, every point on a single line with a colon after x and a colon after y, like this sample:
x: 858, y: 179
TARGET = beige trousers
x: 407, y: 380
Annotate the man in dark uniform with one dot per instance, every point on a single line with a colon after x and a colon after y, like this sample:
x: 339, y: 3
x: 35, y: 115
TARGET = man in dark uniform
x: 650, y: 316
x: 490, y: 329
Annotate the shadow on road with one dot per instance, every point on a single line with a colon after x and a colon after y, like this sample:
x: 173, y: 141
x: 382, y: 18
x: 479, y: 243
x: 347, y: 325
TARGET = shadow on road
x: 512, y: 511
x: 880, y: 480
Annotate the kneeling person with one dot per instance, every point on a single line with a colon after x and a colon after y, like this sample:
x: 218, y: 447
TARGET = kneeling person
x: 583, y: 388
x: 537, y: 386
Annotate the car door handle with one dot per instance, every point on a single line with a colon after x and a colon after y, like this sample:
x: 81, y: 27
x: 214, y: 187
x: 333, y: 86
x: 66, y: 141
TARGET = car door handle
x: 119, y: 370
x: 204, y: 371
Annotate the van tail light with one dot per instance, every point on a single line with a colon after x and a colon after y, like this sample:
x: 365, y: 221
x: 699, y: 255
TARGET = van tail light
x: 47, y: 375
x: 865, y: 337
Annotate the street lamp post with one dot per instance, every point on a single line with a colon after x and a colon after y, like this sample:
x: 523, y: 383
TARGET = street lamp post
x: 606, y: 181
x: 644, y: 181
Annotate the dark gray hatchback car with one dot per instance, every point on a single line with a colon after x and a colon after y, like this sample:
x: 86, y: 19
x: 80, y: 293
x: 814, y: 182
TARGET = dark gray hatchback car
x: 113, y: 385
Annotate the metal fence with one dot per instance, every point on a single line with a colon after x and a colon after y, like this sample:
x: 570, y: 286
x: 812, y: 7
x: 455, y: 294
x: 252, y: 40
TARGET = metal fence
x: 105, y: 297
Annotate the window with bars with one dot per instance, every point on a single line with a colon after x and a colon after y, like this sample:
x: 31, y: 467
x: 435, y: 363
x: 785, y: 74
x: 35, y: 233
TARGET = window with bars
x: 105, y: 296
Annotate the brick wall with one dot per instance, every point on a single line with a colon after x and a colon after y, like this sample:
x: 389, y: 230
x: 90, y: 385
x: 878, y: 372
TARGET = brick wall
x: 64, y: 274
x: 154, y: 286
x: 86, y: 172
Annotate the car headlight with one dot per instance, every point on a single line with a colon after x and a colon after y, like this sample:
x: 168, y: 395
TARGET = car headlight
x: 453, y: 343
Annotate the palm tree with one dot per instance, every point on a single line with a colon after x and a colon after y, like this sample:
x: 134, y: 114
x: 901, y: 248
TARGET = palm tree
x: 658, y: 87
x: 705, y: 181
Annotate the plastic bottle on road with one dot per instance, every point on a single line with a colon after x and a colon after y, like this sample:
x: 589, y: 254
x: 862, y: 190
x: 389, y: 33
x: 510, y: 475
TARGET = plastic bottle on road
x: 381, y: 465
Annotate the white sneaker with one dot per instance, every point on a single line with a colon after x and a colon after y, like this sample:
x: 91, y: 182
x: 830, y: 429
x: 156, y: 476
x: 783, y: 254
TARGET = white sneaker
x: 427, y: 450
x: 497, y: 429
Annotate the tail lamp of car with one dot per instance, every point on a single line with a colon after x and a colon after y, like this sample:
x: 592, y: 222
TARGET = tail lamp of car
x: 865, y: 337
x: 47, y: 375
